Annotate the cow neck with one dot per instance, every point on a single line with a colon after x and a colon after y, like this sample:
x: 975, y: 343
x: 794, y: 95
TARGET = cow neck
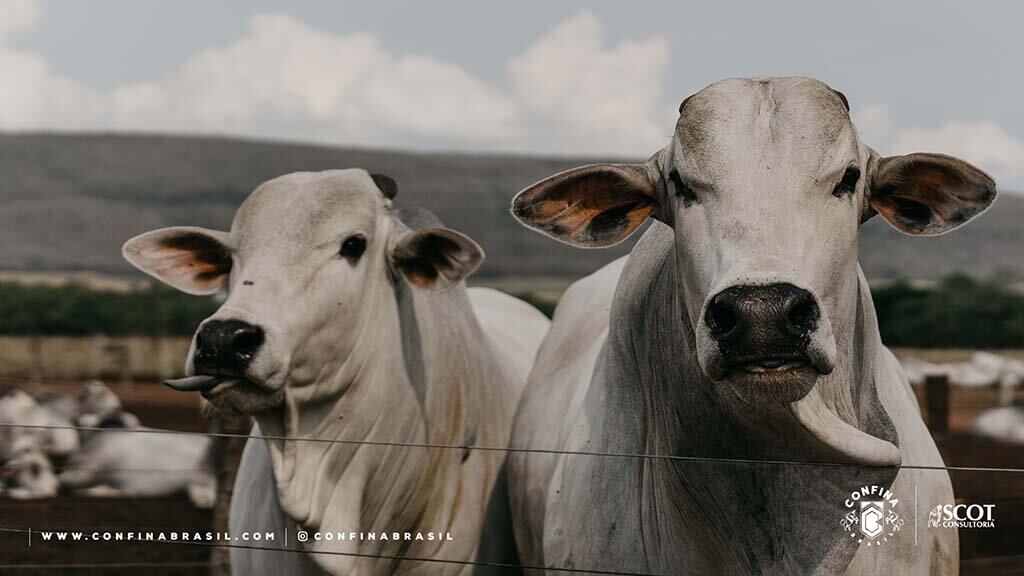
x: 379, y: 393
x: 724, y: 517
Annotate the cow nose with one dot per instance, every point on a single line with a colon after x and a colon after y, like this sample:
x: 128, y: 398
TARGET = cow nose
x: 771, y: 312
x: 226, y: 347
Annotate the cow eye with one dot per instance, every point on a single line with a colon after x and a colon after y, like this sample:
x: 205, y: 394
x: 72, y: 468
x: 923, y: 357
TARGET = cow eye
x: 682, y: 190
x: 353, y: 247
x: 849, y: 182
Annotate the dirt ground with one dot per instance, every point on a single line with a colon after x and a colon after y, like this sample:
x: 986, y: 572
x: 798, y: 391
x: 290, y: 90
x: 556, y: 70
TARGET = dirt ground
x: 101, y: 557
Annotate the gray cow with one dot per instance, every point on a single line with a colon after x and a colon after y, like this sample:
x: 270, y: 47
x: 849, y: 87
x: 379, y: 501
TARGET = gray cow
x: 740, y: 327
x: 347, y: 320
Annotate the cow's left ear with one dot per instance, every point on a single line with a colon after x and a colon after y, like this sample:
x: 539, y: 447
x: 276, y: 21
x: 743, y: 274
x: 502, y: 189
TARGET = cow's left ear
x: 193, y: 260
x: 927, y: 194
x: 593, y: 206
x: 436, y: 258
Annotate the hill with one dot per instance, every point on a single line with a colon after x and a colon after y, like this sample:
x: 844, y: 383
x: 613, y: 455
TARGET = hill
x: 70, y: 201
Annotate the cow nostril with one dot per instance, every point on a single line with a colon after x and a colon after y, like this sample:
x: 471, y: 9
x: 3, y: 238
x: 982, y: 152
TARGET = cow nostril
x: 802, y: 314
x: 226, y: 347
x: 246, y: 342
x: 720, y: 317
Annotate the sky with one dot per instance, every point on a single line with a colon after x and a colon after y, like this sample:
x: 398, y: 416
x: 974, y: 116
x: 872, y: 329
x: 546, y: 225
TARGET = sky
x: 565, y: 78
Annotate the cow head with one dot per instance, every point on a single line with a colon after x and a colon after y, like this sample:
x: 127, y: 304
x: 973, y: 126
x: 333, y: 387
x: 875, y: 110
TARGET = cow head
x: 765, y: 183
x: 29, y: 474
x: 306, y: 267
x: 97, y: 399
x: 47, y: 430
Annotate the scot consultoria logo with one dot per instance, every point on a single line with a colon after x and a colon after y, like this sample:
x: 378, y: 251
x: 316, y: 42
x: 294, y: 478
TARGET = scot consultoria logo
x: 962, y: 516
x: 872, y: 515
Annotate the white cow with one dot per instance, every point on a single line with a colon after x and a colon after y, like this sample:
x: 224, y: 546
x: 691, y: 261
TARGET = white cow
x: 60, y: 404
x: 984, y: 369
x: 347, y: 320
x: 97, y: 399
x: 142, y: 463
x: 94, y: 401
x: 1005, y: 423
x: 50, y: 431
x: 740, y: 327
x: 28, y: 474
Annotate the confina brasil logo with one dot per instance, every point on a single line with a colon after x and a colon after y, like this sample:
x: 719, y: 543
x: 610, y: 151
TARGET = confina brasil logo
x: 872, y: 516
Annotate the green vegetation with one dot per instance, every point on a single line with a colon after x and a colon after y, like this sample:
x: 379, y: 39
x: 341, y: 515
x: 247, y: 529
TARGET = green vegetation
x: 77, y: 310
x: 546, y: 306
x: 960, y: 312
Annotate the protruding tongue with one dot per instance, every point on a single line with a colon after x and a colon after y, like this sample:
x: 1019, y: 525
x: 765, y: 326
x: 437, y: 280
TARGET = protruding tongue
x: 850, y: 444
x: 193, y: 383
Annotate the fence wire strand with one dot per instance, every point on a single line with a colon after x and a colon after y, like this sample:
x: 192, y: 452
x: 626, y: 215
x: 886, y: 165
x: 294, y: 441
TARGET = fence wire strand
x: 639, y: 456
x: 427, y: 445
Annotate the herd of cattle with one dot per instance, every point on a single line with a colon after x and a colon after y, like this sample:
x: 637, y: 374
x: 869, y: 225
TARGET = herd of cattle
x: 739, y: 333
x: 983, y: 370
x: 88, y: 444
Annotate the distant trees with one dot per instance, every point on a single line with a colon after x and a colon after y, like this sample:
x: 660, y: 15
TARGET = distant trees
x: 958, y: 312
x: 78, y: 310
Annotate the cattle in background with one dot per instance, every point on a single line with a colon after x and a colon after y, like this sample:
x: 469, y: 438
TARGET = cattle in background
x: 984, y: 369
x: 1005, y: 423
x: 740, y: 327
x: 99, y: 407
x: 28, y: 474
x: 60, y: 404
x: 97, y: 399
x: 49, y: 431
x: 141, y: 463
x: 348, y: 320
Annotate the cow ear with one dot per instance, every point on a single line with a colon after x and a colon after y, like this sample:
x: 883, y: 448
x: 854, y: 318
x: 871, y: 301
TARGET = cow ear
x: 193, y: 260
x: 436, y: 258
x: 592, y: 206
x: 928, y: 194
x: 388, y: 186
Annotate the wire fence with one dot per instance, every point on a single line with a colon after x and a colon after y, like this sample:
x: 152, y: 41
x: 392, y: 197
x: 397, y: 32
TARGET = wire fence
x: 428, y: 445
x: 511, y: 449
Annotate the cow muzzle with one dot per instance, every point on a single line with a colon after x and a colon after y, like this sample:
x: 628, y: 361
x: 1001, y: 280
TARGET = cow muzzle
x: 224, y: 351
x: 769, y: 340
x: 226, y: 347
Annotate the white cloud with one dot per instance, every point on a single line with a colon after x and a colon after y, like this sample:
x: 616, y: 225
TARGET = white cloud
x: 284, y: 78
x: 983, y: 143
x: 284, y: 74
x: 874, y: 124
x: 18, y: 16
x: 31, y: 95
x: 571, y: 91
x: 594, y: 99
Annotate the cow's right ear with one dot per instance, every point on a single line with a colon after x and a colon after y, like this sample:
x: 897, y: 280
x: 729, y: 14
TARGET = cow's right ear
x: 592, y: 206
x: 193, y: 260
x: 435, y: 258
x: 927, y: 194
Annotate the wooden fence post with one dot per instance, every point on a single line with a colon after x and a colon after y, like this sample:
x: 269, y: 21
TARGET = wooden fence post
x: 936, y: 395
x: 227, y: 453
